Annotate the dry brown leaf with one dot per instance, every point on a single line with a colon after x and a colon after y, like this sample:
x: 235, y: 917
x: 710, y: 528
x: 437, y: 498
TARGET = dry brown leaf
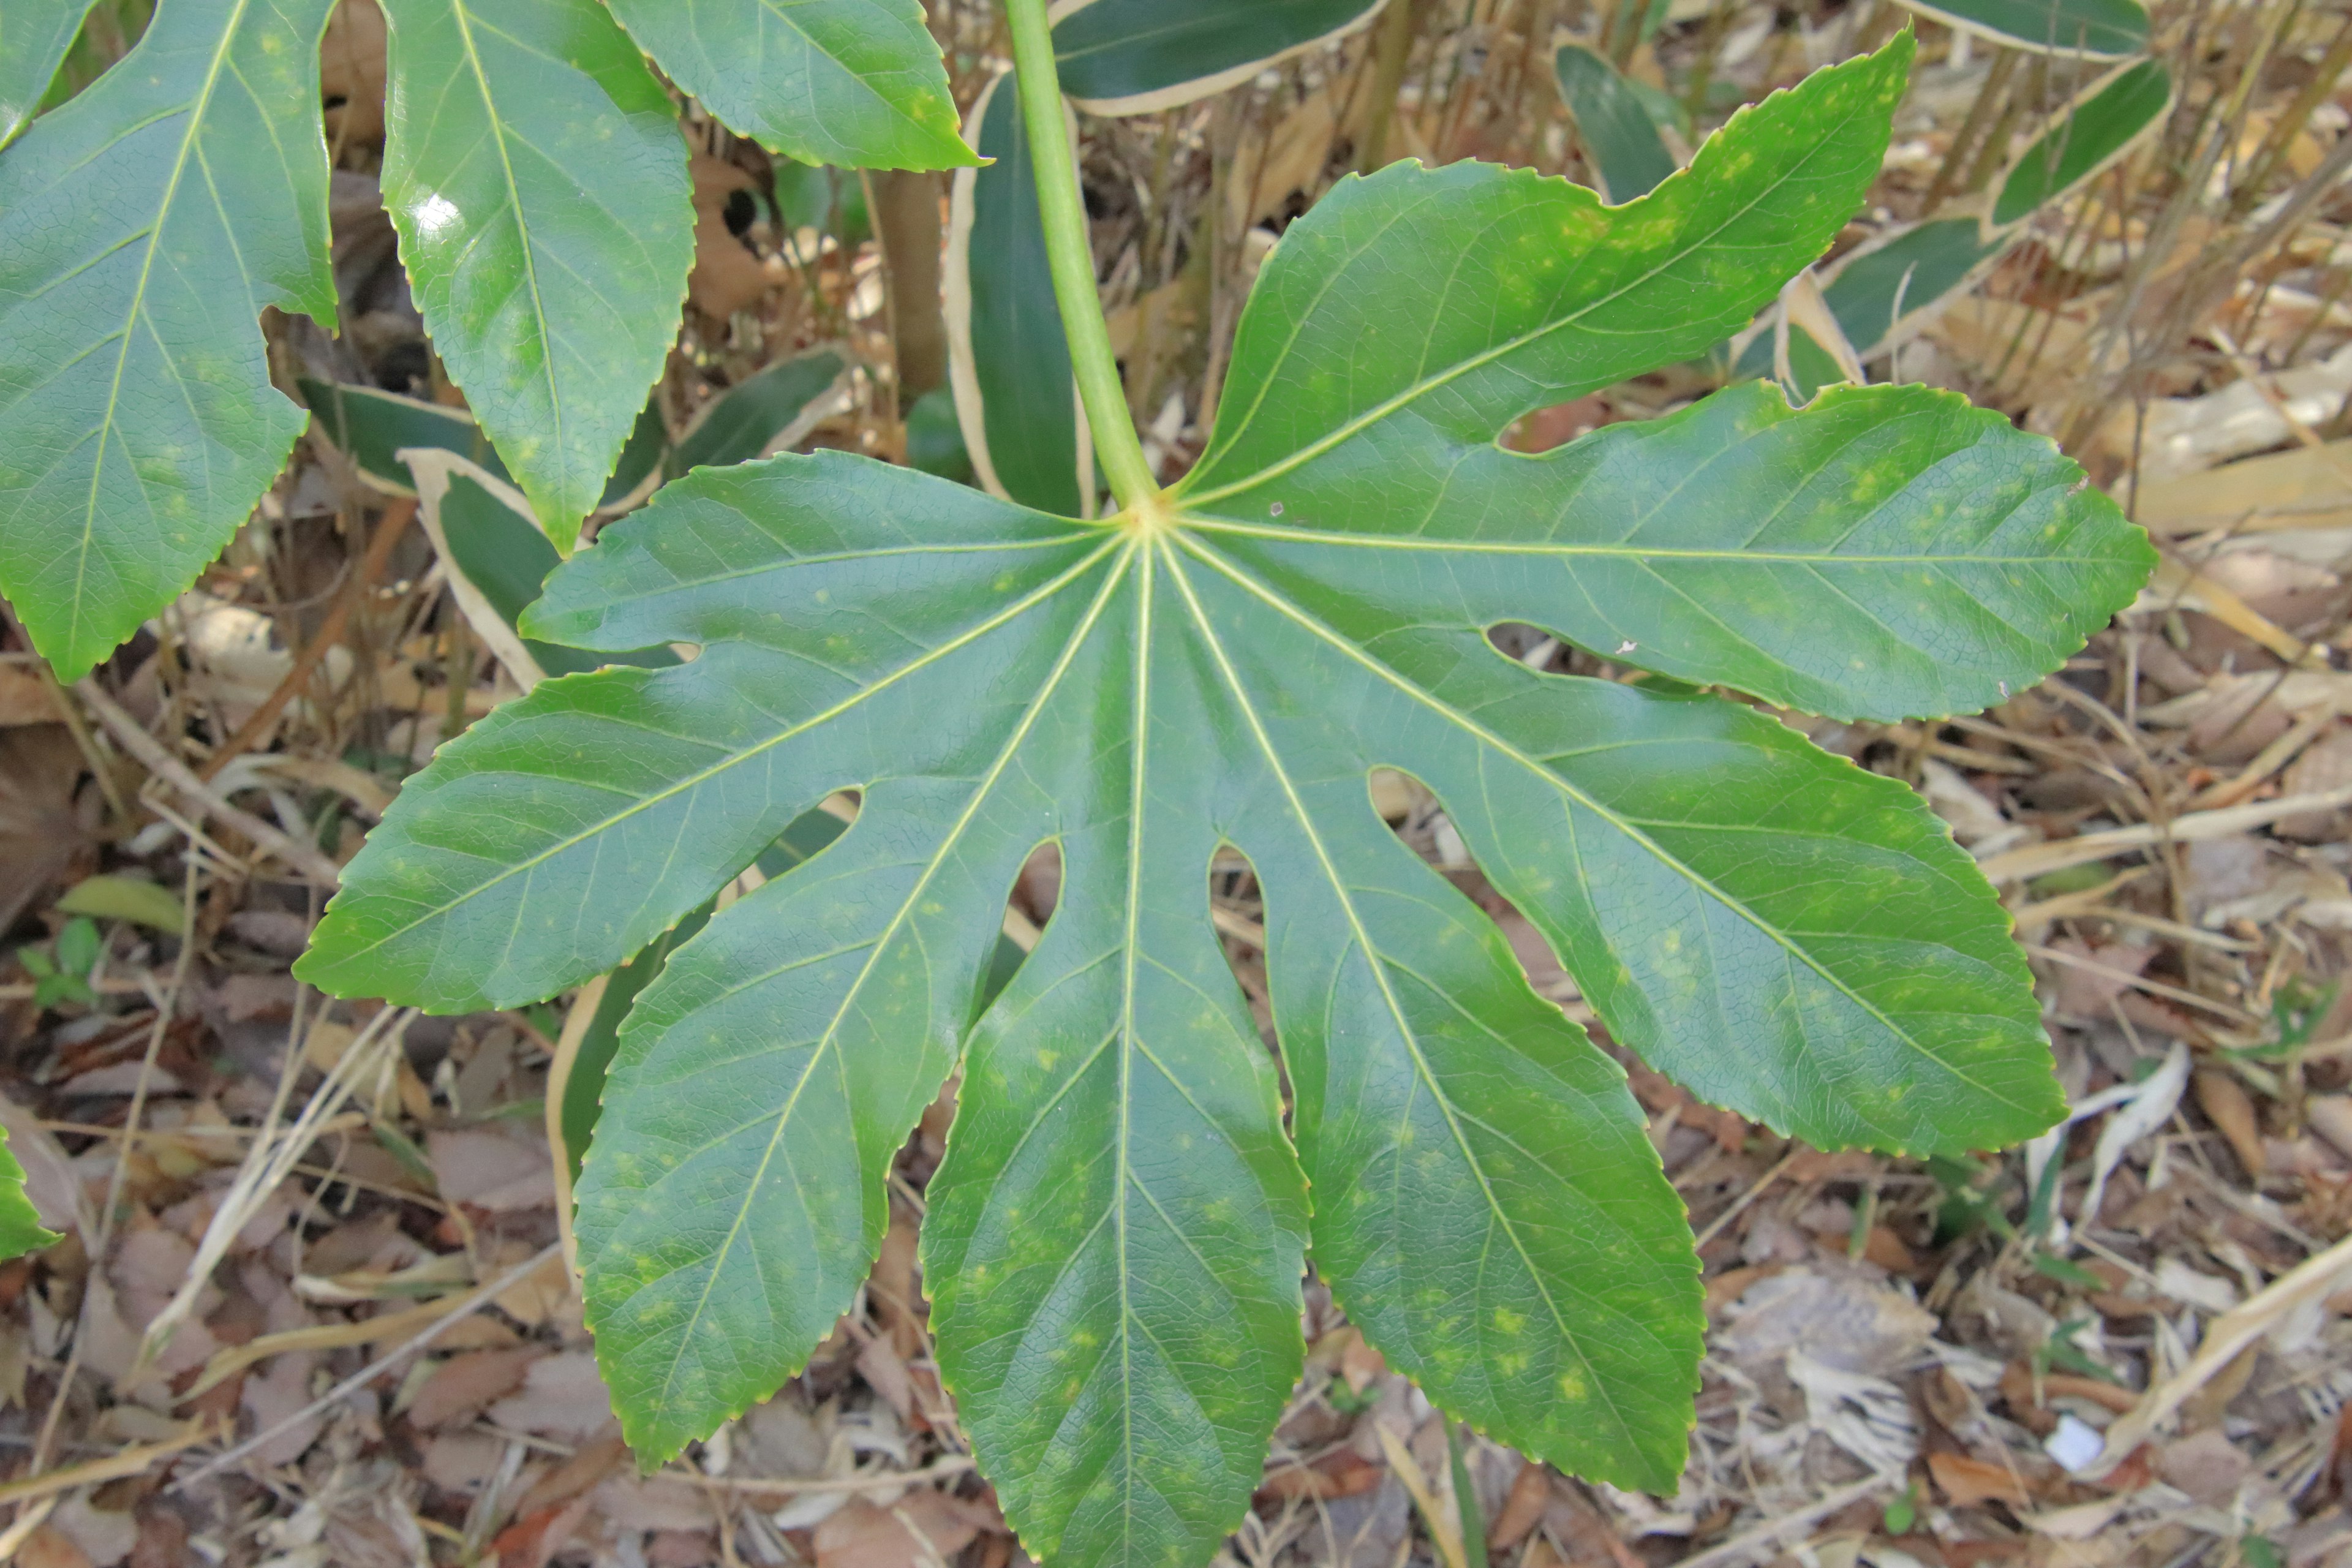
x: 462, y: 1461
x: 727, y: 277
x: 50, y: 1547
x: 2330, y: 1116
x: 25, y: 696
x: 1334, y: 1475
x: 106, y: 1535
x: 1835, y: 1314
x: 1965, y: 1481
x: 1523, y: 1507
x: 2227, y: 1106
x: 1163, y: 315
x: 2184, y: 435
x: 1886, y: 1249
x: 40, y: 831
x: 2324, y: 764
x: 787, y: 1441
x: 535, y: 1538
x: 920, y: 1530
x: 273, y: 1394
x: 892, y: 1284
x: 471, y: 1382
x: 237, y: 655
x: 1535, y: 957
x: 659, y: 1501
x: 2083, y: 990
x: 886, y: 1372
x: 588, y: 1464
x: 1986, y: 334
x: 1289, y: 156
x: 2207, y: 1465
x: 2304, y: 487
x: 534, y: 1297
x: 2235, y: 1335
x: 561, y: 1395
x: 499, y: 1168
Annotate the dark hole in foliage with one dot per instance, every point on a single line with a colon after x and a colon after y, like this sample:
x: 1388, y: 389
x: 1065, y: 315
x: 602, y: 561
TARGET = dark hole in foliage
x: 743, y: 211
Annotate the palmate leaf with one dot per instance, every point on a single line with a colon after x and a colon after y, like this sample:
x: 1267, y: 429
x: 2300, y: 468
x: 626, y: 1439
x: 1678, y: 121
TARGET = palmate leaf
x: 535, y: 170
x: 1114, y: 1245
x: 138, y: 426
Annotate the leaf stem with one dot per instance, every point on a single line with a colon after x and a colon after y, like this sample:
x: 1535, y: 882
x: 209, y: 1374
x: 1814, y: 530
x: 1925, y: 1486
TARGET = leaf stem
x: 1071, y: 256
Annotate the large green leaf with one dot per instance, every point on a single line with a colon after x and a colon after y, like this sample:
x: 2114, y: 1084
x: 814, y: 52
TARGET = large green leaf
x: 1008, y: 359
x: 579, y: 1090
x: 1745, y: 543
x: 34, y: 37
x: 858, y: 82
x: 1113, y: 1245
x: 1136, y: 56
x: 535, y: 170
x: 138, y: 426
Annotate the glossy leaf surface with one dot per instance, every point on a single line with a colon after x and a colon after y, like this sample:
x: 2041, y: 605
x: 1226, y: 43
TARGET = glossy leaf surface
x: 1008, y: 359
x: 2101, y: 127
x: 1114, y: 1245
x: 856, y: 82
x: 138, y: 426
x: 1627, y: 154
x: 34, y: 37
x: 1136, y: 56
x: 2100, y: 29
x: 534, y: 171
